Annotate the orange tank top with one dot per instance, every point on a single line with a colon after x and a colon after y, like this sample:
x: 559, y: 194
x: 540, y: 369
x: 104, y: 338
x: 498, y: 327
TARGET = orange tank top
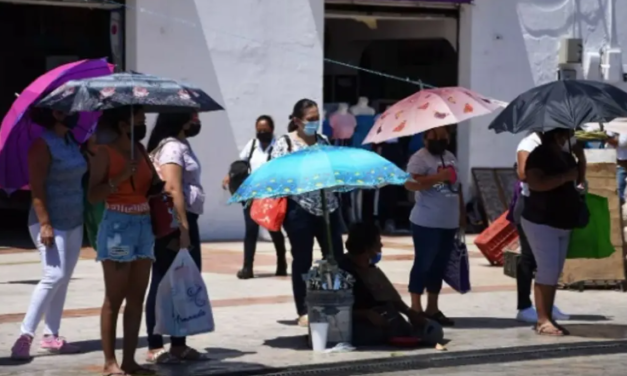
x: 127, y: 195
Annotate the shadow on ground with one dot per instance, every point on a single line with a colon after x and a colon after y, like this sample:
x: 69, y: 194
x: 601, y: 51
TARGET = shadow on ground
x: 598, y: 331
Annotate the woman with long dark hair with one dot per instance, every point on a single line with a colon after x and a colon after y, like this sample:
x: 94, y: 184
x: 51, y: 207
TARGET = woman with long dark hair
x: 304, y: 221
x: 180, y: 169
x: 56, y: 168
x: 121, y: 178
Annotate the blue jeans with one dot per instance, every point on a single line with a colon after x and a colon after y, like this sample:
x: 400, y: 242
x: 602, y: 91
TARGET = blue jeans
x: 621, y: 175
x: 432, y: 251
x: 125, y: 237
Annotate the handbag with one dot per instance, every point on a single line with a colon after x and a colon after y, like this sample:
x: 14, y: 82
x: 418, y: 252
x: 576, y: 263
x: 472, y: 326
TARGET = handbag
x: 240, y: 170
x: 457, y: 273
x: 269, y: 213
x: 162, y: 213
x: 593, y: 241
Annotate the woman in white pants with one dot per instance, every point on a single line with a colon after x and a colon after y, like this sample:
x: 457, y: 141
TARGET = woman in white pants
x: 552, y: 209
x: 56, y: 168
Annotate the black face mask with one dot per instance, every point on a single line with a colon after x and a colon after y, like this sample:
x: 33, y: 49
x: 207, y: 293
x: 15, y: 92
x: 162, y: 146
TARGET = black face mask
x: 140, y: 132
x: 193, y: 131
x: 70, y: 121
x: 265, y: 137
x: 437, y: 147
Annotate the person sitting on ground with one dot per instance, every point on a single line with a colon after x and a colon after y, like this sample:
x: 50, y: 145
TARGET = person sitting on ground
x: 377, y: 309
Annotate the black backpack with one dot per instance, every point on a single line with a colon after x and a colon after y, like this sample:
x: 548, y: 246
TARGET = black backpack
x: 240, y: 170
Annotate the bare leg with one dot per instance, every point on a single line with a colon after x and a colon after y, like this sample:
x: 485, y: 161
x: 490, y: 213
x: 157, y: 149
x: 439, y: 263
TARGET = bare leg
x: 116, y: 276
x: 138, y: 282
x: 432, y: 304
x: 416, y: 303
x: 545, y: 296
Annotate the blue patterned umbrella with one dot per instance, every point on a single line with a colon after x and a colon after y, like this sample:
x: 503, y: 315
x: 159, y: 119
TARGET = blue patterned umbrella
x: 320, y: 168
x: 339, y: 169
x: 155, y: 94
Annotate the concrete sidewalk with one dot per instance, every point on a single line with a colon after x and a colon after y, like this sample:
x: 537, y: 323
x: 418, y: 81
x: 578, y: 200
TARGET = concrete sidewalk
x: 255, y: 319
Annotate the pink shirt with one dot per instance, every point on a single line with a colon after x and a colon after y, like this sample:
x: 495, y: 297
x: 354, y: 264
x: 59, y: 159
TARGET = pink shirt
x: 343, y: 125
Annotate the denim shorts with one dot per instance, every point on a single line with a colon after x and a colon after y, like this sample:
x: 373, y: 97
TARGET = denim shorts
x: 125, y: 237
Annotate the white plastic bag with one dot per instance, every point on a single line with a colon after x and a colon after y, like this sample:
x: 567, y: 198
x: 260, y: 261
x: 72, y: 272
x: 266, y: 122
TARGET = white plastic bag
x: 183, y: 307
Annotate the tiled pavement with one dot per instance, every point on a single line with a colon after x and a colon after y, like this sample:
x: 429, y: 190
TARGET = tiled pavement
x: 255, y: 318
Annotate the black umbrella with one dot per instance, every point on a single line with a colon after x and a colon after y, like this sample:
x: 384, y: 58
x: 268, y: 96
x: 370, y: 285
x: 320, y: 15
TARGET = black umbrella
x: 562, y: 104
x: 154, y: 93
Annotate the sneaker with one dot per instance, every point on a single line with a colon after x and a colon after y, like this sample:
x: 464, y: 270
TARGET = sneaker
x: 58, y: 345
x: 559, y: 315
x: 527, y: 315
x: 21, y: 348
x: 303, y: 321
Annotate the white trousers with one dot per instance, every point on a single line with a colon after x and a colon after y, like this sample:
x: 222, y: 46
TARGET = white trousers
x: 58, y: 262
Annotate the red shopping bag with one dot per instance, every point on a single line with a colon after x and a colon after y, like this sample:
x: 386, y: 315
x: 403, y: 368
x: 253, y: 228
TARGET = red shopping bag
x: 269, y: 212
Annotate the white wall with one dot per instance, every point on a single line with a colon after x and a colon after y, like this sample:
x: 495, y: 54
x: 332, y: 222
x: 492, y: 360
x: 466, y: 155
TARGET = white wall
x: 254, y: 57
x: 510, y: 46
x: 349, y: 38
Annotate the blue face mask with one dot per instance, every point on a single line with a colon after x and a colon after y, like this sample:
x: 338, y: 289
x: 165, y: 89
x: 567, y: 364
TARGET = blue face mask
x: 375, y: 259
x: 311, y: 127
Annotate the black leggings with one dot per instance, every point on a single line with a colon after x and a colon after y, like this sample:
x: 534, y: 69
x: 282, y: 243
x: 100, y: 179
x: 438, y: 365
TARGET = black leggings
x: 164, y: 257
x: 250, y: 241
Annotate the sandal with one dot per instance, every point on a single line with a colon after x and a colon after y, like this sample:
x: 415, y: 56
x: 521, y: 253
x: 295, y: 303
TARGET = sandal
x: 193, y: 355
x: 548, y: 329
x: 162, y: 357
x: 441, y: 319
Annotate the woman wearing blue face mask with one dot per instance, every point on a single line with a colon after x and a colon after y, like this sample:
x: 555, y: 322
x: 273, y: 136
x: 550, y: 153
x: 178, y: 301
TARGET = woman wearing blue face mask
x: 303, y: 221
x: 379, y: 312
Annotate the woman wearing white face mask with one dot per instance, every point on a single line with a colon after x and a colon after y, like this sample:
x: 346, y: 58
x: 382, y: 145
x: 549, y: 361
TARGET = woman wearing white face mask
x: 303, y: 221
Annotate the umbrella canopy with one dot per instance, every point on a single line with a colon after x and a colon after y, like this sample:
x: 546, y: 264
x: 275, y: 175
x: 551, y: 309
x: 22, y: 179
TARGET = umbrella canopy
x: 319, y: 167
x: 18, y: 131
x: 429, y: 109
x: 154, y: 93
x: 562, y: 104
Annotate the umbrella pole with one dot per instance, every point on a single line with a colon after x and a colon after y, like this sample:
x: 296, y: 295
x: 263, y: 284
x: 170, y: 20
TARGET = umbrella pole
x: 327, y: 227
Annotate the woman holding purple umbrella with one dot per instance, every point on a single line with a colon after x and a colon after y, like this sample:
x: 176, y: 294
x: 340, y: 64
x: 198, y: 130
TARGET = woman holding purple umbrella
x: 56, y: 168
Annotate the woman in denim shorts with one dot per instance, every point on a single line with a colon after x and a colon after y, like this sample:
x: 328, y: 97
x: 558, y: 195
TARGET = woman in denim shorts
x: 125, y: 239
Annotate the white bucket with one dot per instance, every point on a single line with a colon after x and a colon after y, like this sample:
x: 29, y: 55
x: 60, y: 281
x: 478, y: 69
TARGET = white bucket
x: 319, y: 331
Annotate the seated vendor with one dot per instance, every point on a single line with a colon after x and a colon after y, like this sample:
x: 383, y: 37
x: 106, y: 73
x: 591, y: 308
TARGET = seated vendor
x: 379, y: 313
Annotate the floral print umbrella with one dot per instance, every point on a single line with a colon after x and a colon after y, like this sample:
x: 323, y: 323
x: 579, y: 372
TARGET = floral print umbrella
x: 427, y: 109
x: 154, y: 93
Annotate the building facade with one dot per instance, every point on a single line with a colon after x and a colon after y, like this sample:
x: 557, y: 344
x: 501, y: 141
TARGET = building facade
x: 260, y: 56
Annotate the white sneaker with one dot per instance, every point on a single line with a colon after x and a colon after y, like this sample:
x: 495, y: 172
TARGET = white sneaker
x: 528, y: 315
x: 559, y: 315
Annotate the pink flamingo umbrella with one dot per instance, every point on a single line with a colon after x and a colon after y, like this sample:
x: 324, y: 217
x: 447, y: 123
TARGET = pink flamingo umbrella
x: 427, y: 109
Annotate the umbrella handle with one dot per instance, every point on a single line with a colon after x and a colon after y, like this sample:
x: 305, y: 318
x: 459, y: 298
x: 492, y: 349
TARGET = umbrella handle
x: 327, y: 227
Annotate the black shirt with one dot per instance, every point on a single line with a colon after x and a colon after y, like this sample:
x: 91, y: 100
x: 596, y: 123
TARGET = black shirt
x: 559, y: 207
x: 364, y: 299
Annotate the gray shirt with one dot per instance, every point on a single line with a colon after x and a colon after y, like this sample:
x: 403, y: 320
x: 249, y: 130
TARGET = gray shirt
x: 438, y: 206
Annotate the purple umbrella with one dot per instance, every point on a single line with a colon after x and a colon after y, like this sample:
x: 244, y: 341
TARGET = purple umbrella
x: 18, y: 131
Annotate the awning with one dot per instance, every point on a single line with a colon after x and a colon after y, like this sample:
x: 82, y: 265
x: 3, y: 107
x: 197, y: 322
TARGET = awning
x: 91, y: 4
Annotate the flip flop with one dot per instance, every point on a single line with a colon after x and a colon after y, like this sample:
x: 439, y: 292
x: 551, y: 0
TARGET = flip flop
x: 202, y: 357
x: 549, y: 329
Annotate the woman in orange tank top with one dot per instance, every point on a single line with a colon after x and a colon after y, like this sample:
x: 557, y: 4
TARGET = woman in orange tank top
x: 125, y: 240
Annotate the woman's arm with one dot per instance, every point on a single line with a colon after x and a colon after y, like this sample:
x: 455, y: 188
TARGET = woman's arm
x: 99, y: 187
x: 521, y: 161
x: 424, y: 182
x: 172, y: 173
x: 539, y: 181
x: 581, y: 162
x: 38, y: 165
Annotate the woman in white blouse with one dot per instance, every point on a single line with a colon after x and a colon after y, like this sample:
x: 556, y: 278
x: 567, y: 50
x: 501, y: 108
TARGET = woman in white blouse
x: 303, y: 221
x: 180, y: 169
x: 257, y: 152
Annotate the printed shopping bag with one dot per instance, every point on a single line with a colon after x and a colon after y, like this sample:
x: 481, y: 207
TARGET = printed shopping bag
x: 269, y: 212
x: 183, y: 307
x: 458, y: 269
x: 594, y: 240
